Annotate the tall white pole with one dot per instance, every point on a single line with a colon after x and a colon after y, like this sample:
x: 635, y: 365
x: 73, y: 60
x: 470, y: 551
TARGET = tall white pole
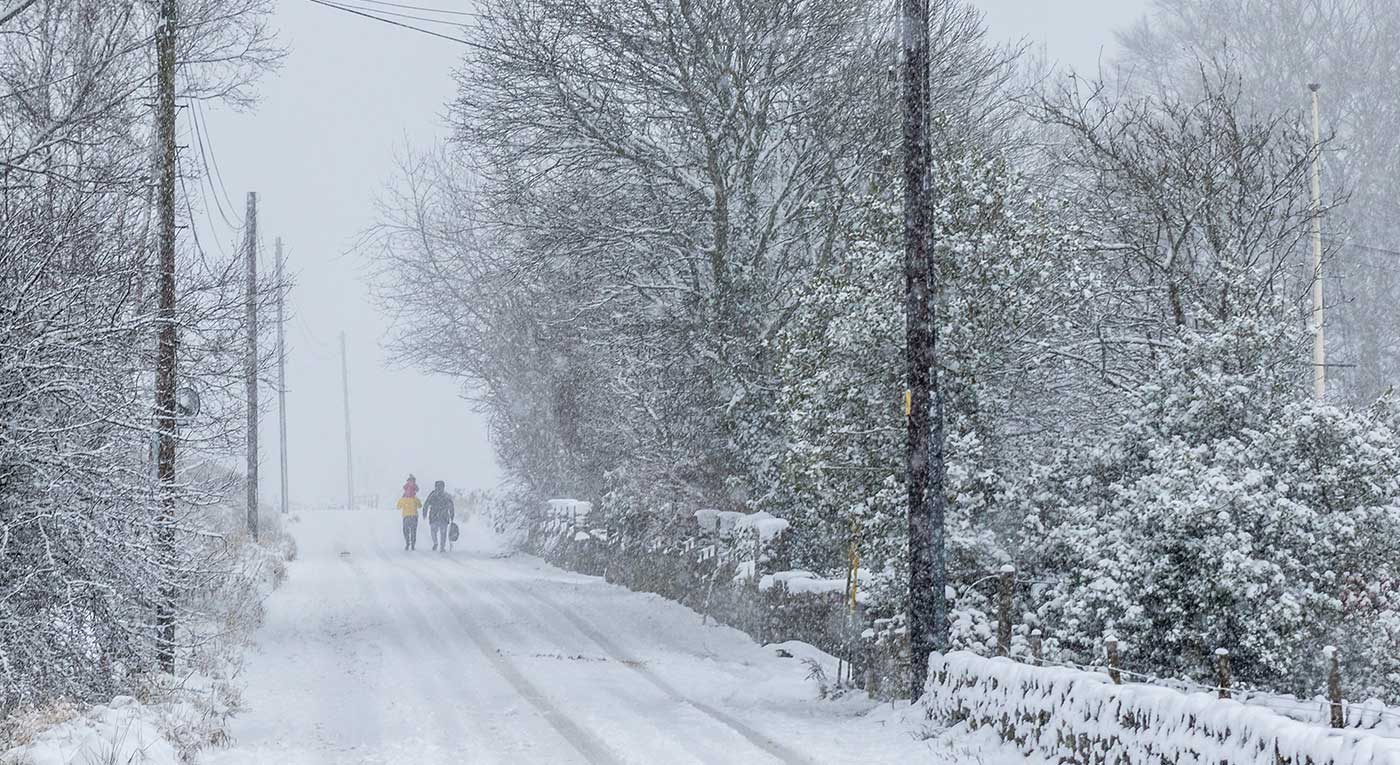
x: 281, y: 373
x: 1319, y: 343
x: 349, y: 457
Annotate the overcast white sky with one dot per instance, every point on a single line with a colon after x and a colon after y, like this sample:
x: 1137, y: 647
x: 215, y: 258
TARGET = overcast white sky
x: 320, y: 146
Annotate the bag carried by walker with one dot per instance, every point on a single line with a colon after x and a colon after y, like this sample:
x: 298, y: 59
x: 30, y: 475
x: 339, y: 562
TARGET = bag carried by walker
x: 452, y: 532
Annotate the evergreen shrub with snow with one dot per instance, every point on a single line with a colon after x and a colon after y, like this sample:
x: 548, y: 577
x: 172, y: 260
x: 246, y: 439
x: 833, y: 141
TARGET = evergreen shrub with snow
x: 839, y: 474
x: 1230, y: 512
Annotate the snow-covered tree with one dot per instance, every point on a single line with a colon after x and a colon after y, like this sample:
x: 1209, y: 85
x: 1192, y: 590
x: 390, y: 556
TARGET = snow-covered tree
x: 1003, y: 274
x: 80, y: 574
x: 1276, y: 48
x: 1227, y: 511
x: 1194, y: 208
x: 651, y: 186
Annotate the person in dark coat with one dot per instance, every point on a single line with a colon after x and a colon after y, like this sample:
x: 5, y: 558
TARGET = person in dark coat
x: 441, y: 513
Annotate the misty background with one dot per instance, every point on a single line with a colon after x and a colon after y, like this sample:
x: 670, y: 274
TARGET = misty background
x: 320, y: 146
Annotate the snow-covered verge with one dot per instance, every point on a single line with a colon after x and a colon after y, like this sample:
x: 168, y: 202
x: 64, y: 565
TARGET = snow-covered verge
x: 124, y: 731
x: 725, y: 566
x: 1086, y: 718
x: 163, y: 718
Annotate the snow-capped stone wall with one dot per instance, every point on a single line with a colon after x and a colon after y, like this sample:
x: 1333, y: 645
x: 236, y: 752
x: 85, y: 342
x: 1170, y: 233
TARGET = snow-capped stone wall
x: 1082, y: 717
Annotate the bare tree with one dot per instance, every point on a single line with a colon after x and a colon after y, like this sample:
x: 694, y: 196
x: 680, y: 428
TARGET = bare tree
x: 1194, y: 209
x: 77, y: 514
x: 1276, y: 48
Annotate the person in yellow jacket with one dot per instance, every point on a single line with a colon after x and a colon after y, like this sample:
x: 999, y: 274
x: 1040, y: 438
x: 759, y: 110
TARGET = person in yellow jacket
x: 409, y: 505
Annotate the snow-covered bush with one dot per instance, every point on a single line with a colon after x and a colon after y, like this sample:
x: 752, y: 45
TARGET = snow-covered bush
x: 1229, y: 511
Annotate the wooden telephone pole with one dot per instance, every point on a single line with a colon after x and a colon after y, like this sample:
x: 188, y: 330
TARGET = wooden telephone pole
x: 165, y: 379
x: 928, y: 608
x: 349, y: 458
x: 281, y: 374
x: 250, y: 363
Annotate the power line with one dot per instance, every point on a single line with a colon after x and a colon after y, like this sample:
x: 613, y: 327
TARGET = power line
x: 468, y: 43
x: 206, y: 189
x: 1370, y: 248
x: 347, y: 9
x: 424, y: 8
x: 1349, y: 242
x: 398, y: 14
x: 205, y: 149
x: 313, y: 345
x: 189, y: 210
x: 213, y: 159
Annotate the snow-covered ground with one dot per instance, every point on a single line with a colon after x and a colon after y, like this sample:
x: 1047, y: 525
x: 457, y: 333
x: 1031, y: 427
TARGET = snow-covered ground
x: 123, y: 731
x: 371, y: 654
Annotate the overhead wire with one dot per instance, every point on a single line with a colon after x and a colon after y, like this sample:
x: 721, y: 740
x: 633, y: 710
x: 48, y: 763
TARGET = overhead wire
x: 189, y: 203
x: 402, y: 15
x: 314, y: 346
x: 365, y: 14
x: 1367, y: 247
x: 426, y: 9
x: 205, y: 149
x: 373, y: 15
x: 214, y: 161
x: 189, y: 210
x: 194, y: 229
x: 208, y: 186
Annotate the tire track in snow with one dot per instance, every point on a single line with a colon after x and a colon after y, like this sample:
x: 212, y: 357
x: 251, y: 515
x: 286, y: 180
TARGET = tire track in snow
x: 754, y: 737
x: 343, y: 674
x: 683, y: 733
x: 442, y: 720
x: 498, y: 733
x: 587, y: 744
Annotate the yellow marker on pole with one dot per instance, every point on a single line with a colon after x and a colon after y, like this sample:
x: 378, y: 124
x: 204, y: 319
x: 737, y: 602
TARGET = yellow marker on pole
x: 908, y: 402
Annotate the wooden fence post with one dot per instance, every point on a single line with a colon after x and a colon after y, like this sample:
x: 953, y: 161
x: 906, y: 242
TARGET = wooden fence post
x: 1334, y: 685
x: 1110, y: 644
x: 1037, y: 651
x: 1222, y: 672
x: 1008, y: 578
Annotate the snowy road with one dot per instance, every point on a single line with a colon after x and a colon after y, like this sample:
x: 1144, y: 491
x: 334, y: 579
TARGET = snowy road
x: 371, y: 654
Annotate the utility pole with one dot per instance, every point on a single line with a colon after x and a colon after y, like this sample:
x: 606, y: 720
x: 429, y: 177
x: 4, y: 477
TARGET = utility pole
x: 166, y: 30
x: 349, y: 458
x: 928, y: 619
x: 1319, y: 354
x: 281, y: 373
x: 250, y: 362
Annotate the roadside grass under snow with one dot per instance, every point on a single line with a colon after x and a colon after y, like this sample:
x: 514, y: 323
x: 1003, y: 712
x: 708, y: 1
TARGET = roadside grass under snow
x: 170, y: 718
